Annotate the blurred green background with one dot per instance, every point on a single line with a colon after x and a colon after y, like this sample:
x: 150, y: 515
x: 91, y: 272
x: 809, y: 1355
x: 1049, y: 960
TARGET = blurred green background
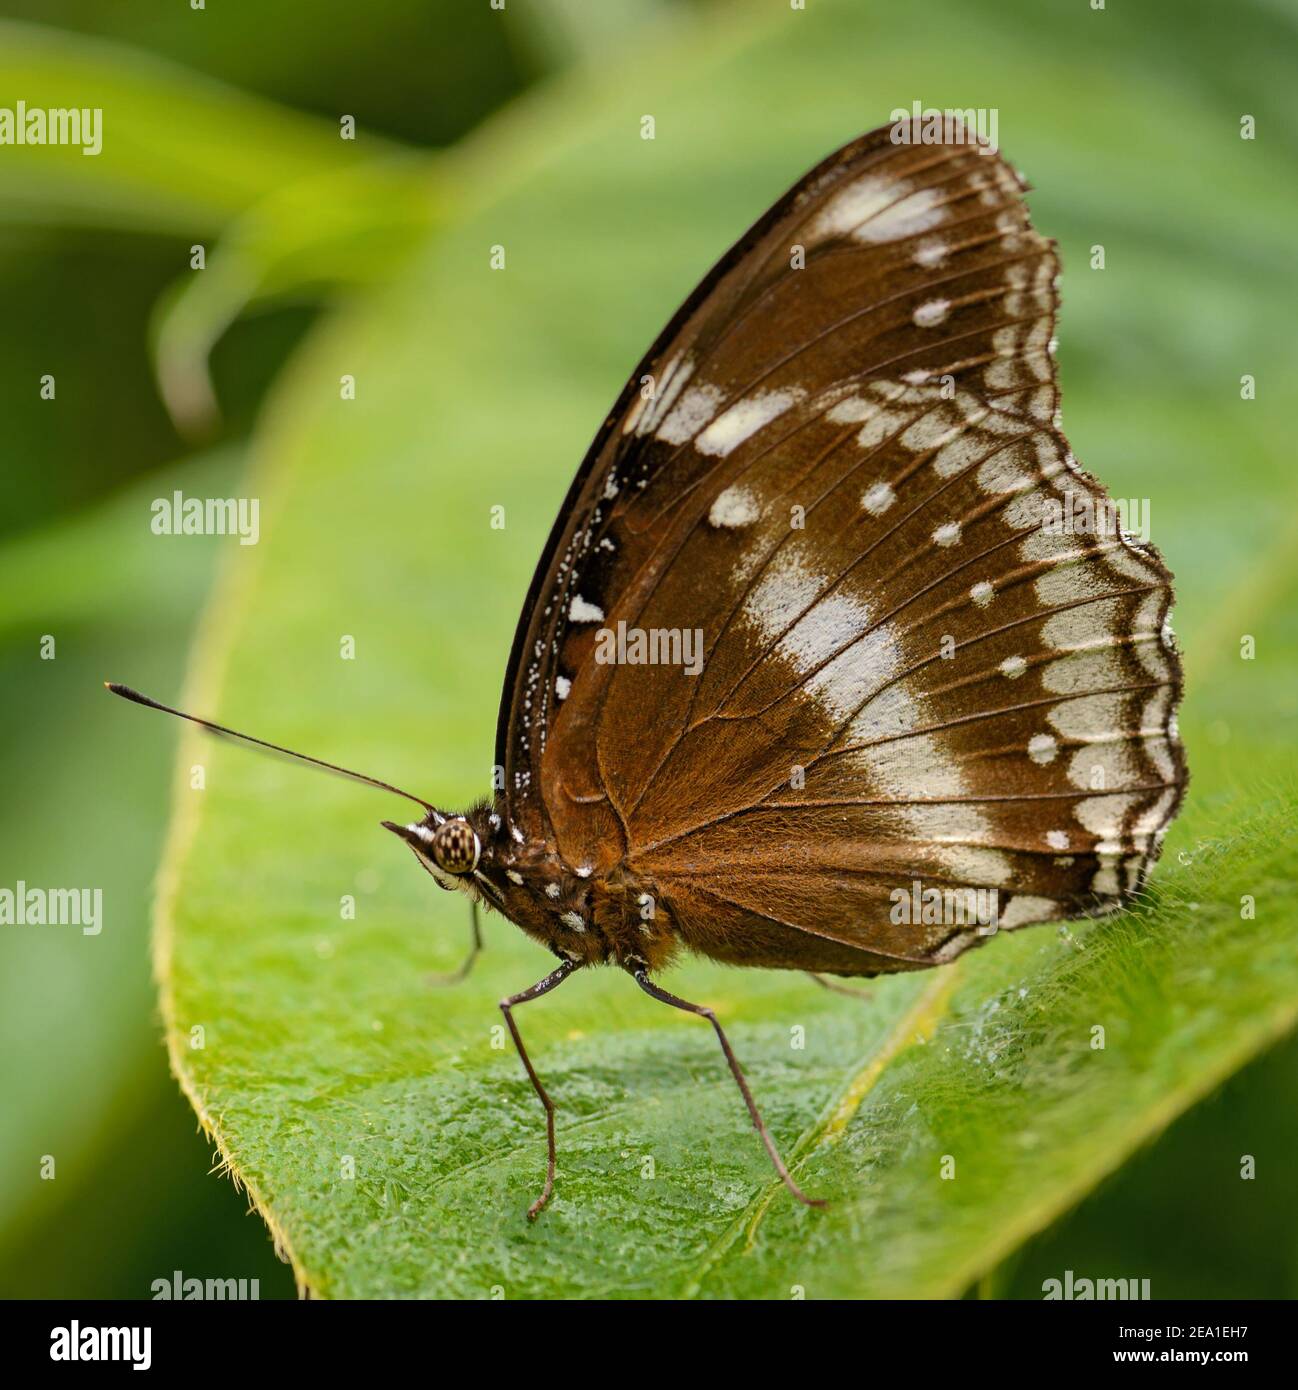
x: 222, y: 130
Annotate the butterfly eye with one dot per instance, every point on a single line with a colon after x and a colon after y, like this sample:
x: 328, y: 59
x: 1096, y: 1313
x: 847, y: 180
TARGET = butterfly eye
x: 455, y: 847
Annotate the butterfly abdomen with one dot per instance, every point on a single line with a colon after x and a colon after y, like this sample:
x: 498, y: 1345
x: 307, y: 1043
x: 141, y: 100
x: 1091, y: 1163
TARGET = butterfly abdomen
x: 633, y: 919
x: 584, y: 915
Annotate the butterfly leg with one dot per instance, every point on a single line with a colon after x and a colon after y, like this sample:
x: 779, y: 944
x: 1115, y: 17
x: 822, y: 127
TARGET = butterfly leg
x: 641, y: 978
x: 835, y: 988
x: 453, y: 977
x: 553, y: 979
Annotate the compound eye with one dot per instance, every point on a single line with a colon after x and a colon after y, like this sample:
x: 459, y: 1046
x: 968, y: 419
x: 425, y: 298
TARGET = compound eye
x: 455, y: 847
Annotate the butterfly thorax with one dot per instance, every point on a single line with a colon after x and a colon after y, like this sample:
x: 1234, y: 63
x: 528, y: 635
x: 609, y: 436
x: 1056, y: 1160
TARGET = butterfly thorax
x: 587, y: 914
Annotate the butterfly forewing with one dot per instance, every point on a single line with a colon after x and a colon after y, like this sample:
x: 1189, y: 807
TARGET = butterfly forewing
x: 840, y: 466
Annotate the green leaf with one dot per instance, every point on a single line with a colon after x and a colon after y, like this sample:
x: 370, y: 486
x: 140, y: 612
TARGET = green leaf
x: 302, y: 211
x: 180, y: 152
x: 114, y: 598
x: 340, y: 230
x: 325, y: 1051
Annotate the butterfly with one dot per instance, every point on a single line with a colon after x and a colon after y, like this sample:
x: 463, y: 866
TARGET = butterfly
x: 832, y: 638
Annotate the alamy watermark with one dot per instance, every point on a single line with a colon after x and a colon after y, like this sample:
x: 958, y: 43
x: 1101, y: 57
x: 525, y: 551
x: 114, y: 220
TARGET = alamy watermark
x: 179, y: 515
x: 1081, y: 514
x: 654, y: 646
x: 946, y: 907
x: 192, y: 1289
x: 22, y: 906
x: 21, y: 124
x: 77, y: 1343
x: 927, y: 125
x: 1070, y: 1287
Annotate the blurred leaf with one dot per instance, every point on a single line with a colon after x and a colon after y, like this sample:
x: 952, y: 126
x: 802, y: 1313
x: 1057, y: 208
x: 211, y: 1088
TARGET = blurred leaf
x: 477, y: 388
x: 94, y: 569
x: 304, y: 209
x: 560, y: 32
x: 339, y: 230
x: 85, y: 808
x: 420, y: 70
x: 1187, y: 1215
x: 181, y: 153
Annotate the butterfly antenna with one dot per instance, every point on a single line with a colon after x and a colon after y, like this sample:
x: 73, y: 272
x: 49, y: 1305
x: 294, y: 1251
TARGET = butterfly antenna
x: 127, y: 693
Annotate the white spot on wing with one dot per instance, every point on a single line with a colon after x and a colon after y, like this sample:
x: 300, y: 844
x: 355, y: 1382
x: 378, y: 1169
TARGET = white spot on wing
x: 931, y: 313
x: 850, y: 411
x: 845, y: 684
x: 921, y: 768
x: 878, y: 427
x: 734, y: 507
x: 906, y: 217
x: 634, y: 413
x: 783, y: 591
x: 957, y: 454
x: 1081, y: 671
x: 836, y: 621
x: 1088, y: 717
x: 690, y: 414
x: 878, y: 209
x: 745, y: 418
x: 878, y: 499
x: 674, y: 376
x: 827, y: 638
x: 855, y: 204
x: 579, y: 611
x: 1042, y: 748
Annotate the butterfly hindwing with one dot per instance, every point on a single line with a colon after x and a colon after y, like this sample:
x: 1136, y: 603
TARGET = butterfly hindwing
x: 828, y: 503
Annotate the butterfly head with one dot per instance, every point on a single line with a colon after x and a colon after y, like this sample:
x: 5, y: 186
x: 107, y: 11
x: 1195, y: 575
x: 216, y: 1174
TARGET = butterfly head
x: 447, y: 846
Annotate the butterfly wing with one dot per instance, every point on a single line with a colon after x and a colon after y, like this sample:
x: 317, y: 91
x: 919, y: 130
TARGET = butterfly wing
x: 892, y: 643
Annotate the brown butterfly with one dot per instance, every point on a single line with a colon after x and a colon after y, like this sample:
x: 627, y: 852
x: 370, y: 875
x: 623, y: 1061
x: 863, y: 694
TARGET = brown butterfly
x: 831, y: 632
